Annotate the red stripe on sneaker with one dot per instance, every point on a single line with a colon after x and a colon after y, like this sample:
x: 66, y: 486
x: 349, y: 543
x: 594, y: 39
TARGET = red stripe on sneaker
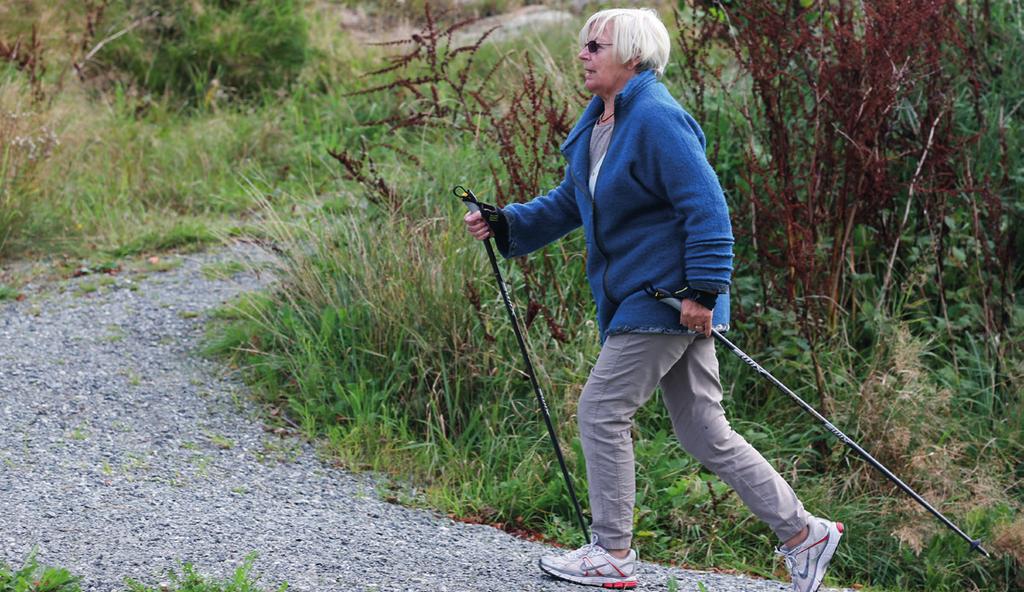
x: 839, y: 527
x: 823, y: 539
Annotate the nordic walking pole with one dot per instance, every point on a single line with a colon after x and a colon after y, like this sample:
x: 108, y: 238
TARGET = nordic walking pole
x: 472, y: 204
x: 668, y: 299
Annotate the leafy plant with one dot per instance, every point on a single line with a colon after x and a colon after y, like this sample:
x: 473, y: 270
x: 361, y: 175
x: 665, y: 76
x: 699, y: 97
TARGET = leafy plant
x: 31, y: 577
x: 190, y: 580
x: 8, y: 292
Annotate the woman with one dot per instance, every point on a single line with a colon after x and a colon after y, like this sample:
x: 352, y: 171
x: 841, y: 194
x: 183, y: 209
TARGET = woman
x: 653, y: 212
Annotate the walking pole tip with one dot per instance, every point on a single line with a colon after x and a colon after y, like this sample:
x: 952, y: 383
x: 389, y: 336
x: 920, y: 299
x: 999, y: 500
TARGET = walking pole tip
x: 976, y: 545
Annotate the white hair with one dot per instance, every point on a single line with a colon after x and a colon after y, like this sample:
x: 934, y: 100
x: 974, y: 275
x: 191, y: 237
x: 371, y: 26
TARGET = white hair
x: 637, y: 33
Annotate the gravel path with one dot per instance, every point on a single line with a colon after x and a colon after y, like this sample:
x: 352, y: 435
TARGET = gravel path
x: 122, y: 453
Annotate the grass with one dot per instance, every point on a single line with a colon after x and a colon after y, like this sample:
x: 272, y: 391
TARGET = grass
x: 33, y: 577
x: 77, y: 206
x: 222, y: 269
x: 189, y: 579
x: 8, y: 293
x: 220, y: 441
x: 80, y: 433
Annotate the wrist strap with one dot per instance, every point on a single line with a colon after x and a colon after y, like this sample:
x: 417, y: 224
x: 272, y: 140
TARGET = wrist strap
x: 705, y: 299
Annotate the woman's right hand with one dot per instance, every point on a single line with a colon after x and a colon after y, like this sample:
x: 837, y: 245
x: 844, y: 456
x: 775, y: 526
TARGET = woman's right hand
x: 477, y: 226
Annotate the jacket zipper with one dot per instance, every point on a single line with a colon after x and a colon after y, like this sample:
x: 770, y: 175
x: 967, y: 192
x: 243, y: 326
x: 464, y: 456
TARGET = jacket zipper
x: 597, y: 237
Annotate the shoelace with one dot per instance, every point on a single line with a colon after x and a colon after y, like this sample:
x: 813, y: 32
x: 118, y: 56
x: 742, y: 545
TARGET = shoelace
x: 586, y: 550
x: 789, y: 556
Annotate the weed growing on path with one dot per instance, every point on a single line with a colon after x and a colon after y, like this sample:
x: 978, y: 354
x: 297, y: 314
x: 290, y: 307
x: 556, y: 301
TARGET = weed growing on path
x: 8, y: 293
x: 189, y: 579
x: 32, y: 577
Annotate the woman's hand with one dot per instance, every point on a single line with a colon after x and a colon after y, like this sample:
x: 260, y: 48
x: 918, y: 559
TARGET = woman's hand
x: 695, y: 317
x: 477, y: 226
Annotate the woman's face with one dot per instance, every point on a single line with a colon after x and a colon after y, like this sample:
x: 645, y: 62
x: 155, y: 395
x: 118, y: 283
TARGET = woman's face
x: 603, y: 75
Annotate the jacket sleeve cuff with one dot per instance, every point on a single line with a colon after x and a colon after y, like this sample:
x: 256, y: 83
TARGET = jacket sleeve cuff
x: 498, y: 224
x: 705, y: 299
x: 706, y: 286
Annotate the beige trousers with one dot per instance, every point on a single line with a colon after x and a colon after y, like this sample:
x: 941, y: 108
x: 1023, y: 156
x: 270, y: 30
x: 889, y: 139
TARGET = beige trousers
x: 627, y: 371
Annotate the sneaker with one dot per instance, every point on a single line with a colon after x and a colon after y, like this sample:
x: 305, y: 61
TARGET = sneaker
x: 592, y: 565
x: 809, y: 560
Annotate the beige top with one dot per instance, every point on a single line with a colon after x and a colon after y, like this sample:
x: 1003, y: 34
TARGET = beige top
x: 599, y: 140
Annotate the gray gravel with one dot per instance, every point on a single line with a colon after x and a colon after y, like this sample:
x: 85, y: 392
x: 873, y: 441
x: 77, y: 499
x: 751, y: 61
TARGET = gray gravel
x: 123, y: 453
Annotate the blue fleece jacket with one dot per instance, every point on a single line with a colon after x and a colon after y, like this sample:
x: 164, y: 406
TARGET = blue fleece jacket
x: 657, y: 214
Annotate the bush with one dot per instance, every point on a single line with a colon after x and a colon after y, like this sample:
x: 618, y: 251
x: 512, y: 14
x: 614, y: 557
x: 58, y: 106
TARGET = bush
x: 202, y: 51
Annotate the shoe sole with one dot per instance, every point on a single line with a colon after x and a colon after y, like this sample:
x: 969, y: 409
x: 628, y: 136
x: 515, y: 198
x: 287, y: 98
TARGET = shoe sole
x: 597, y: 581
x: 826, y: 557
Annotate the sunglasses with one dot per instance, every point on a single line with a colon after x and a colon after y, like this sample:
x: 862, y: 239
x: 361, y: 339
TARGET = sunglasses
x: 594, y: 47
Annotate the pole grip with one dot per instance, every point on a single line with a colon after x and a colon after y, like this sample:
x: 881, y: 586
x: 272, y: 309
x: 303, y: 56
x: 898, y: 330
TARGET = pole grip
x: 468, y: 199
x: 674, y: 303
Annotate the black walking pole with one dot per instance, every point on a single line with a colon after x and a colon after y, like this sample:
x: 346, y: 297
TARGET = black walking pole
x: 667, y: 298
x: 471, y: 202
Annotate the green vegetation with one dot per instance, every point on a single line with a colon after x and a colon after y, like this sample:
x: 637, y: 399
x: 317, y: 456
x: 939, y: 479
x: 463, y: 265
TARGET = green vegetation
x: 208, y: 51
x: 220, y: 441
x: 109, y: 164
x: 386, y: 337
x: 190, y: 580
x: 32, y: 577
x: 222, y: 270
x: 8, y: 293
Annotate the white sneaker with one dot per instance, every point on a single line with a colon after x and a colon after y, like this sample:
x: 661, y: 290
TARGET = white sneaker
x: 808, y: 562
x: 592, y: 565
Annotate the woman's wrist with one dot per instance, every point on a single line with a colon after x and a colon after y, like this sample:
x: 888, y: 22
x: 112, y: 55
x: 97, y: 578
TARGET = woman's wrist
x: 705, y: 299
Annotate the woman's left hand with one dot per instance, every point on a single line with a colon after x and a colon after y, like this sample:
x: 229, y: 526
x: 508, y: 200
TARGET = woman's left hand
x: 695, y: 317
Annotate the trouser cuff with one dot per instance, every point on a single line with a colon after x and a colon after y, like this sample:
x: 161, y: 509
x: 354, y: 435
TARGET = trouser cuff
x: 794, y: 527
x: 610, y: 541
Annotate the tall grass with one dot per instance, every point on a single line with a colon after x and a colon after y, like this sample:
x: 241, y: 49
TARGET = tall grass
x: 90, y: 161
x: 81, y: 175
x: 205, y: 51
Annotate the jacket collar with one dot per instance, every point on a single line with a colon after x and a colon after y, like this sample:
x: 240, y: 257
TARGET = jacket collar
x: 633, y: 88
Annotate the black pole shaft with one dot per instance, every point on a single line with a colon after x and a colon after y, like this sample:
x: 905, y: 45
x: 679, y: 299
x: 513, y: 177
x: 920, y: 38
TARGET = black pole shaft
x: 975, y: 543
x: 533, y: 376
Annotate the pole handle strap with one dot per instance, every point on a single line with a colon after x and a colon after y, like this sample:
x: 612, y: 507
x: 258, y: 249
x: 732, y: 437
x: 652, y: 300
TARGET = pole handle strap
x: 670, y: 298
x: 467, y: 197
